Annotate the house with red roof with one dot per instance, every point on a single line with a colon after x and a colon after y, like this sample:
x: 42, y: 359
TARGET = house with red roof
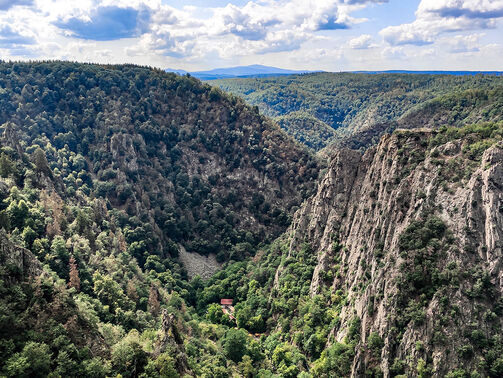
x: 227, y: 307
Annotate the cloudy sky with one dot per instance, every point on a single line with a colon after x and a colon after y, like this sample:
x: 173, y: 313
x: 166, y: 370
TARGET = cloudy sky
x: 330, y: 35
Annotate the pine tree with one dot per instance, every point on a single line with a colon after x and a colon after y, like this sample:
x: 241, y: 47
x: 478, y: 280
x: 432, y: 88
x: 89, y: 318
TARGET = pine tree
x: 40, y: 161
x: 6, y: 166
x: 74, y: 275
x: 153, y: 301
x: 131, y: 291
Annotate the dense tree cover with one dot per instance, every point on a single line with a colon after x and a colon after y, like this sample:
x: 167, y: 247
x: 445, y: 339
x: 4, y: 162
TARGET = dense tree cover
x: 295, y: 327
x: 103, y: 170
x: 307, y: 129
x: 360, y: 107
x: 458, y: 109
x: 179, y: 158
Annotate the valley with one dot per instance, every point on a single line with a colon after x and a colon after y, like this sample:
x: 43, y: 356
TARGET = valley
x: 366, y: 240
x: 355, y: 110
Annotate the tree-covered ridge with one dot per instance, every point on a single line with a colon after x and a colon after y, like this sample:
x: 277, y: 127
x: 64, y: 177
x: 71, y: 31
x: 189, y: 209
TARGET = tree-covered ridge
x: 189, y: 163
x: 351, y: 103
x: 307, y: 129
x: 104, y: 170
x: 90, y: 283
x: 458, y: 108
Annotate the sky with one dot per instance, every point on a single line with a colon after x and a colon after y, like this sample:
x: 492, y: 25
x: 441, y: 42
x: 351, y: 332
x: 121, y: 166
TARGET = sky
x: 330, y: 35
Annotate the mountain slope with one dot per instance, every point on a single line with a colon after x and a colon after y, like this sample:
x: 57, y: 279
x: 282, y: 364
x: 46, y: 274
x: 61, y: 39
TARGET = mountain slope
x: 307, y: 129
x: 349, y: 103
x: 458, y: 108
x: 255, y: 70
x: 455, y: 73
x: 420, y: 228
x: 393, y: 268
x: 106, y: 172
x: 194, y: 165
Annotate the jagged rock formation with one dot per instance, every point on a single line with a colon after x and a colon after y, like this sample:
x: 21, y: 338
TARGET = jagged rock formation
x: 412, y: 233
x: 171, y: 339
x: 17, y: 259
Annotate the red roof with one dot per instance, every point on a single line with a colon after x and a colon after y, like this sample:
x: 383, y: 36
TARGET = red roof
x: 226, y: 301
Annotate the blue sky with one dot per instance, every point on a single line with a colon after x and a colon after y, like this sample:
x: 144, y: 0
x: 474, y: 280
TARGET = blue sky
x: 332, y: 35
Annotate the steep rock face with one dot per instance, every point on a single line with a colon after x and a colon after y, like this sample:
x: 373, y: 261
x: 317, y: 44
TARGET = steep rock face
x: 18, y: 259
x: 172, y: 340
x: 412, y: 233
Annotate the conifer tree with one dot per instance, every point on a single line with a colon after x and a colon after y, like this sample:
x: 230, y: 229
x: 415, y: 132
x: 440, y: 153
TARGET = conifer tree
x: 40, y: 161
x: 74, y: 275
x: 153, y: 301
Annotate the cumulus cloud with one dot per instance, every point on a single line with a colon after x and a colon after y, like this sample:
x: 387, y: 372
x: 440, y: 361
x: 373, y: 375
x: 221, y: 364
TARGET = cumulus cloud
x: 7, y: 4
x: 362, y: 42
x: 107, y: 23
x: 249, y: 22
x: 155, y: 28
x: 472, y: 9
x: 463, y: 44
x: 258, y: 27
x: 291, y: 31
x: 434, y: 17
x: 10, y: 38
x: 363, y: 1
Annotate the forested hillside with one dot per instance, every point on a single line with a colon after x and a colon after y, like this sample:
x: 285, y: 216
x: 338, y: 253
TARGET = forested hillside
x: 184, y: 162
x: 348, y: 105
x: 105, y: 172
x: 389, y: 265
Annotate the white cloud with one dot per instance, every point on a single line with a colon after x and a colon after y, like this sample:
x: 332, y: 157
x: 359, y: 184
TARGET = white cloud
x: 463, y: 43
x: 362, y: 42
x: 324, y: 34
x: 434, y: 17
x: 259, y: 27
x: 7, y: 4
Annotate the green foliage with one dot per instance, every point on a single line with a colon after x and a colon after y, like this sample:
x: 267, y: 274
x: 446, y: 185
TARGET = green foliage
x: 215, y: 314
x: 307, y: 129
x: 234, y: 344
x: 354, y: 327
x: 128, y: 357
x: 335, y: 361
x: 6, y: 166
x: 423, y: 369
x: 143, y: 129
x: 33, y: 361
x: 287, y: 360
x: 105, y: 175
x: 356, y: 109
x: 375, y: 343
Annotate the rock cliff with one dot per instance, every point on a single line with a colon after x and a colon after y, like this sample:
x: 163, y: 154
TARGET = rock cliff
x: 20, y: 261
x: 411, y: 232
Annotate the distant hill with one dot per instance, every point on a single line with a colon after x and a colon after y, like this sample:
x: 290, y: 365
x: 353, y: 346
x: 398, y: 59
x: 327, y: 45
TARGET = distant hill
x: 255, y: 70
x: 348, y: 105
x: 174, y: 70
x: 455, y: 73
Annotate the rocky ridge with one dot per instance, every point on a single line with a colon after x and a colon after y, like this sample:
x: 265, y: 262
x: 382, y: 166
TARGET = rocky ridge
x: 360, y: 224
x: 19, y: 260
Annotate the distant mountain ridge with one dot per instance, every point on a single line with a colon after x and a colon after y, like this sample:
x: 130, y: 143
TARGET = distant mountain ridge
x: 255, y: 70
x: 258, y: 70
x: 434, y: 72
